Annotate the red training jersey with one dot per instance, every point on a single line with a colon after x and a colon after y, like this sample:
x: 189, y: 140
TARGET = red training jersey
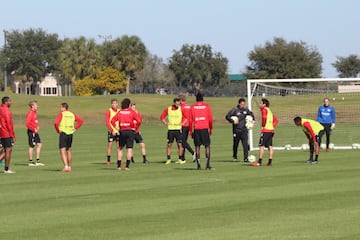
x: 31, y: 121
x: 185, y: 108
x: 6, y: 122
x: 200, y: 117
x: 136, y: 125
x: 126, y: 118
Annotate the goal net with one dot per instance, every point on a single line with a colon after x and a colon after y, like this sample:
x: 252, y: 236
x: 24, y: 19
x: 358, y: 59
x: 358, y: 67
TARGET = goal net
x: 302, y: 97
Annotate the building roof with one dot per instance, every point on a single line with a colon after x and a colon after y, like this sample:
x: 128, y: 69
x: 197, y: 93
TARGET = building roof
x: 237, y: 77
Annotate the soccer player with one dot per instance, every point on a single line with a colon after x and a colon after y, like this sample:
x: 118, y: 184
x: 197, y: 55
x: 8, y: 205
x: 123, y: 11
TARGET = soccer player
x: 312, y: 130
x: 268, y: 124
x: 32, y: 126
x: 65, y: 126
x: 240, y: 132
x: 138, y: 137
x: 185, y: 108
x: 109, y: 114
x: 126, y: 118
x: 327, y: 117
x: 201, y: 127
x: 7, y: 133
x: 171, y: 117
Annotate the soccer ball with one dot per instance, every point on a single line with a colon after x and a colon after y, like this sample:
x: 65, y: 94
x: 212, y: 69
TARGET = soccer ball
x: 331, y: 146
x: 252, y: 158
x: 235, y: 119
x: 305, y: 146
x: 249, y: 122
x: 355, y: 145
x: 287, y: 147
x: 323, y: 146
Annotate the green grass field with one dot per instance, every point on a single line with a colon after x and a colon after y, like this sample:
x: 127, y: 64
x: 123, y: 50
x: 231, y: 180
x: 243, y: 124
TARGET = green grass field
x: 290, y: 200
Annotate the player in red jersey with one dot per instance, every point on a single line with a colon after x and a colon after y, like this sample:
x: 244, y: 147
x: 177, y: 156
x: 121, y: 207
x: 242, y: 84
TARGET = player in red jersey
x: 126, y: 118
x: 201, y: 126
x: 32, y: 126
x: 7, y: 133
x: 109, y: 114
x: 185, y: 108
x: 138, y: 137
x: 268, y: 124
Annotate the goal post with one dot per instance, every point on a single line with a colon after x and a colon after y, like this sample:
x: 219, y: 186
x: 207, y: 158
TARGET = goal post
x: 302, y: 97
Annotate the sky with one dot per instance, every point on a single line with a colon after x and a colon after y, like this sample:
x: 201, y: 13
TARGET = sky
x: 232, y: 27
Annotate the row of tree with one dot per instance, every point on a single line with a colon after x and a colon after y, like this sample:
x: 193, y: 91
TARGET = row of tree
x: 117, y: 65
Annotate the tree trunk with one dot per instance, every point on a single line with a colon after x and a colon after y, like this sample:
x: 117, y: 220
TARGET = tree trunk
x: 128, y: 84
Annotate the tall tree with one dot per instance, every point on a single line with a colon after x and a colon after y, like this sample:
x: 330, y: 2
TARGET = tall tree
x: 196, y: 67
x: 127, y: 54
x: 79, y: 58
x: 154, y: 74
x: 348, y: 66
x: 32, y: 53
x: 282, y: 60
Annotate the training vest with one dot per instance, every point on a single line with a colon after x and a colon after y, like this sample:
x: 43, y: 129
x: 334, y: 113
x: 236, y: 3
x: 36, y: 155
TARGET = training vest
x: 316, y: 126
x: 112, y: 114
x: 174, y: 117
x: 269, y: 125
x: 67, y: 122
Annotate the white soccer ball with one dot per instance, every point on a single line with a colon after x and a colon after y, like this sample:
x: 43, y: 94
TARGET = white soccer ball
x: 323, y: 146
x: 252, y: 158
x: 331, y: 146
x: 356, y: 146
x: 287, y: 147
x: 249, y: 122
x: 305, y: 146
x: 235, y: 119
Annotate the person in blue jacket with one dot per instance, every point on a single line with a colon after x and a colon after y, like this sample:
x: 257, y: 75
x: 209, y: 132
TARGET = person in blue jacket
x: 327, y: 117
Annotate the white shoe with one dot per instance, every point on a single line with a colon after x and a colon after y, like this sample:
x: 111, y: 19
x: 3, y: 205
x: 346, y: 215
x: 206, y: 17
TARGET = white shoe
x: 40, y: 164
x: 194, y: 157
x: 9, y: 171
x: 183, y: 162
x: 32, y: 164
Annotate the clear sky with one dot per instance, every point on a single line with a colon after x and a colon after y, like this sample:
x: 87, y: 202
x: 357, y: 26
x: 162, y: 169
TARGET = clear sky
x: 232, y: 27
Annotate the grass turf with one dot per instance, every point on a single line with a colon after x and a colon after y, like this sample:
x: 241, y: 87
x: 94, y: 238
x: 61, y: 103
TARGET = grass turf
x: 290, y: 200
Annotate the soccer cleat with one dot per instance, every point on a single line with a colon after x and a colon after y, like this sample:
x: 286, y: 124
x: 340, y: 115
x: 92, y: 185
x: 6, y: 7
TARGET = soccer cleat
x: 178, y: 161
x: 209, y: 168
x: 327, y: 150
x: 194, y: 157
x: 235, y: 160
x: 268, y: 165
x: 256, y: 164
x: 108, y: 163
x: 119, y: 168
x: 182, y: 162
x: 127, y: 169
x: 309, y: 161
x: 32, y: 164
x: 168, y: 162
x: 146, y: 162
x: 66, y: 169
x: 314, y: 162
x: 246, y: 160
x: 9, y: 171
x: 40, y: 164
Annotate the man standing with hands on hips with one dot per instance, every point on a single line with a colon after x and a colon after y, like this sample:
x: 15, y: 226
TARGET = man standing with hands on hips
x: 327, y: 117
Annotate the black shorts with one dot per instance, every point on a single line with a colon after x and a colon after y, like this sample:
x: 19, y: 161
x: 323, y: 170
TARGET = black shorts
x: 112, y: 137
x: 65, y: 140
x: 126, y: 138
x: 33, y: 138
x: 201, y: 137
x: 174, y: 134
x: 6, y: 142
x: 266, y: 139
x: 138, y: 138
